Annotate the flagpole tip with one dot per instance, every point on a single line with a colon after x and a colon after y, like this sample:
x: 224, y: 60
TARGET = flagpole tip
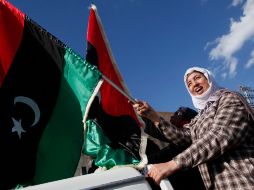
x: 93, y: 6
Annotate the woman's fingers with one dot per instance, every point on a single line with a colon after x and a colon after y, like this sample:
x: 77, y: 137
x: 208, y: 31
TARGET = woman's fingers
x: 145, y: 110
x: 162, y: 170
x: 155, y: 174
x: 140, y: 106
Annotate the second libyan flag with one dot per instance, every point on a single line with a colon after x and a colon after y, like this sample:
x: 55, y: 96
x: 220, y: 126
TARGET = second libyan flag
x: 45, y: 91
x: 119, y: 138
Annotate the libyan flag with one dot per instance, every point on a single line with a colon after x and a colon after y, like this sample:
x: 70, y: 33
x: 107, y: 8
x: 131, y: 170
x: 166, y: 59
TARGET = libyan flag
x: 120, y: 139
x: 45, y: 93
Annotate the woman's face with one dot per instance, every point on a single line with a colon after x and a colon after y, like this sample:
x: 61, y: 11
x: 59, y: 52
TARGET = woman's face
x: 197, y: 83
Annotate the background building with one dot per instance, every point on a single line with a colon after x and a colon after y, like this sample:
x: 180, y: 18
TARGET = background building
x: 248, y: 93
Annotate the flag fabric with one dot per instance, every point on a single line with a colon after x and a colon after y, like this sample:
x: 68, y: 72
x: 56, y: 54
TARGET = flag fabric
x: 45, y: 93
x: 115, y: 115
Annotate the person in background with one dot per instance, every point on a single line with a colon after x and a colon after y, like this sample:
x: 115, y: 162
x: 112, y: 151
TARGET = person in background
x: 220, y: 138
x: 181, y: 116
x: 191, y: 178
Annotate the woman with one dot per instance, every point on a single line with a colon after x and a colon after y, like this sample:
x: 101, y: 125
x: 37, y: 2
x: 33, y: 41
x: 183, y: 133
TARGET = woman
x: 220, y: 137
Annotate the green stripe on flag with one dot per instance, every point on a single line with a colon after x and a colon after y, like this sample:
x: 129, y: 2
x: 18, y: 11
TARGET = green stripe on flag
x: 97, y: 146
x: 81, y: 76
x: 61, y: 143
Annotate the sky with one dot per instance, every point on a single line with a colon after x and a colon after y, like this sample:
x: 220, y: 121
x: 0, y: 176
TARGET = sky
x: 154, y: 42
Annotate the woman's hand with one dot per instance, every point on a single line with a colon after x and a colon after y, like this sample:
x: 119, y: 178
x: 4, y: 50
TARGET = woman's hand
x: 145, y: 110
x: 162, y: 170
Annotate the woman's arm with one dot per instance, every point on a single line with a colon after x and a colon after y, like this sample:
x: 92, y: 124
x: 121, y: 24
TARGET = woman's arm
x: 229, y: 128
x: 178, y: 136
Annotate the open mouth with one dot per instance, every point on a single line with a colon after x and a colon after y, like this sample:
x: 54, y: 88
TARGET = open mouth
x: 198, y: 89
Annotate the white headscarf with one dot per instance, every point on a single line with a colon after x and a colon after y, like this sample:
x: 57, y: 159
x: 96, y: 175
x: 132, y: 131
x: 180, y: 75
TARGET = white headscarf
x: 212, y: 93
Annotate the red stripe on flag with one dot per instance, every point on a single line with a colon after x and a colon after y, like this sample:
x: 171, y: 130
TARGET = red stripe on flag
x: 113, y: 102
x: 11, y: 30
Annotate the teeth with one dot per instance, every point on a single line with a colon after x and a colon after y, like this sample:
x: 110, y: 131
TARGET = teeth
x: 198, y: 89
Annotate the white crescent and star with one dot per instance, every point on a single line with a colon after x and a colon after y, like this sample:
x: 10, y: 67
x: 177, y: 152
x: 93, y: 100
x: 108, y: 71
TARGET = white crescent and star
x: 17, y: 127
